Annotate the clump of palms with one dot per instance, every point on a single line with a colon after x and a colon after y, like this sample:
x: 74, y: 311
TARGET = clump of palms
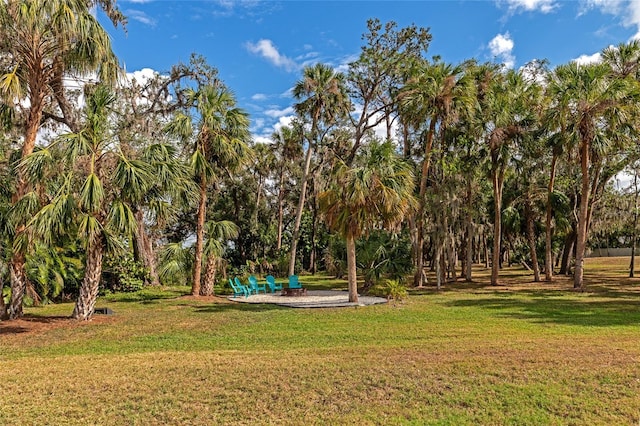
x: 376, y: 192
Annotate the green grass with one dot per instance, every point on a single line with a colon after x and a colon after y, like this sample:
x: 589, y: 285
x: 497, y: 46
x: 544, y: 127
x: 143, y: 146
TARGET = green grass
x: 520, y: 353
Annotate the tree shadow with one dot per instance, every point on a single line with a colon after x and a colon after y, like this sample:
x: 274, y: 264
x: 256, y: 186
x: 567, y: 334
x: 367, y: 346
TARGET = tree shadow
x: 547, y: 307
x: 233, y: 306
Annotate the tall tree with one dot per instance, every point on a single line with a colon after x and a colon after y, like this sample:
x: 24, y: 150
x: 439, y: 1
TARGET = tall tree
x: 218, y: 131
x: 41, y: 43
x: 437, y: 94
x: 322, y: 99
x: 510, y: 108
x: 97, y: 210
x: 218, y: 233
x: 376, y: 192
x: 601, y: 111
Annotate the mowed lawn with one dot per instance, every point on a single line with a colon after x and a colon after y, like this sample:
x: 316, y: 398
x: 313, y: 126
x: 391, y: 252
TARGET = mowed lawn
x: 521, y: 353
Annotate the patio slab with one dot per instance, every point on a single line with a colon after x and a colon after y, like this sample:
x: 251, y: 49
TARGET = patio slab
x: 313, y: 299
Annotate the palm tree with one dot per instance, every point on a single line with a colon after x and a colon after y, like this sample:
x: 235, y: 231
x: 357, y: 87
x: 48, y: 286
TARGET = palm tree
x: 323, y: 98
x: 600, y: 109
x: 218, y: 233
x: 97, y: 211
x: 220, y: 131
x: 510, y: 111
x: 437, y: 93
x: 286, y: 151
x: 377, y: 192
x: 41, y: 42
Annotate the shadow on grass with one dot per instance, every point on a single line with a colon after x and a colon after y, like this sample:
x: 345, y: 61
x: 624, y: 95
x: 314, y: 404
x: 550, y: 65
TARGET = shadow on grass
x: 544, y: 308
x: 30, y: 323
x: 233, y: 306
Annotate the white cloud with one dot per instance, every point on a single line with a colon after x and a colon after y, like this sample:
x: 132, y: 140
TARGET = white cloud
x: 284, y: 121
x: 140, y: 16
x: 501, y: 47
x: 628, y: 11
x: 268, y: 50
x: 277, y: 113
x: 259, y: 97
x: 142, y: 76
x: 543, y: 6
x: 263, y: 139
x: 588, y: 59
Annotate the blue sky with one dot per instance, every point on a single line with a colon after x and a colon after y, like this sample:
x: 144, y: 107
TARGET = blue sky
x: 260, y: 47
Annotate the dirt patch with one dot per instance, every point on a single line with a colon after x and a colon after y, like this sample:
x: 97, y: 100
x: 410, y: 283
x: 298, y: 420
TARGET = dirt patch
x: 38, y: 324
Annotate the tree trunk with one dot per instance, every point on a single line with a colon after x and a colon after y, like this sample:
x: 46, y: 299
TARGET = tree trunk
x: 351, y: 269
x: 419, y: 277
x: 18, y: 285
x: 635, y: 226
x: 296, y: 226
x: 469, y: 241
x: 3, y: 306
x: 314, y: 230
x: 548, y: 249
x: 208, y: 284
x: 197, y: 266
x: 497, y: 180
x: 86, y: 302
x: 18, y: 274
x: 531, y: 236
x: 569, y: 243
x: 581, y: 239
x: 280, y: 211
x: 145, y: 249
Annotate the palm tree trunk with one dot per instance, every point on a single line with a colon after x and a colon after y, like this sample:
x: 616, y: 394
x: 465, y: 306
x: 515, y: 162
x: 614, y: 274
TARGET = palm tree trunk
x: 351, y: 269
x: 567, y: 252
x: 314, y: 230
x: 635, y: 226
x: 18, y: 285
x: 469, y: 229
x: 208, y: 284
x: 497, y: 180
x: 145, y: 249
x: 18, y: 274
x: 531, y: 236
x: 280, y: 211
x: 296, y: 226
x: 419, y: 277
x: 3, y: 306
x: 548, y: 250
x: 86, y: 302
x: 581, y: 240
x: 197, y: 267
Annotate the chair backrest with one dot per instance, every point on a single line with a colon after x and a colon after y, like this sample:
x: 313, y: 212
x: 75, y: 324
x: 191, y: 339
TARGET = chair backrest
x: 293, y: 281
x: 238, y: 283
x: 233, y: 286
x: 270, y: 280
x: 252, y: 280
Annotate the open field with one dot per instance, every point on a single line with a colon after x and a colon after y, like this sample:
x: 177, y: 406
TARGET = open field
x: 471, y: 354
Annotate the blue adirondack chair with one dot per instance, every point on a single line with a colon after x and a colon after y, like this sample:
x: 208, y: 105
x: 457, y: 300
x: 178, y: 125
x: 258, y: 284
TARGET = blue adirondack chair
x: 240, y: 285
x: 238, y: 290
x: 253, y: 283
x: 273, y: 285
x: 293, y: 282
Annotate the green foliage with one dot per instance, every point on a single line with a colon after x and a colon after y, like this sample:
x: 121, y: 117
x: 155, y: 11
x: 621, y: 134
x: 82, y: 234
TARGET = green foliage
x: 335, y: 257
x: 55, y: 272
x: 383, y: 254
x: 123, y: 274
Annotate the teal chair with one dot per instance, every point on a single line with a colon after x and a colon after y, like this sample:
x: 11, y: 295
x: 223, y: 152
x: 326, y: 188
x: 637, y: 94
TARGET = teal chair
x: 240, y: 285
x: 253, y: 283
x: 273, y: 285
x: 293, y: 282
x: 238, y: 290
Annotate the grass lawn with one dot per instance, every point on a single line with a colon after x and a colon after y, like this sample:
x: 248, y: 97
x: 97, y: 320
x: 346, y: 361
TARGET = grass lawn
x: 520, y: 353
